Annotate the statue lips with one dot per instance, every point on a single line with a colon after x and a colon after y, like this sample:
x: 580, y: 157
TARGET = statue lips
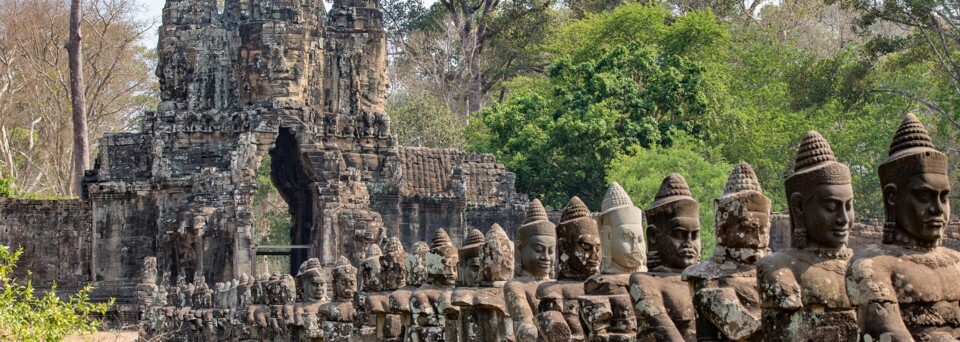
x: 687, y: 252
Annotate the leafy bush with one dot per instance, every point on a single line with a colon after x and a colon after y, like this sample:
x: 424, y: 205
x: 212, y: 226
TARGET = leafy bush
x: 24, y: 316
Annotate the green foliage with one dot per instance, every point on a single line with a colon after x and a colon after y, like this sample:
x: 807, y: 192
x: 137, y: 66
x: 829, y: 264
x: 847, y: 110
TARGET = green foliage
x: 641, y: 171
x: 423, y: 117
x: 6, y: 188
x: 27, y: 317
x: 559, y: 143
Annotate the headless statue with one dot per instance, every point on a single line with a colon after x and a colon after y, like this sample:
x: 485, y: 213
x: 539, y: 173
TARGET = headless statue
x: 725, y: 287
x: 662, y: 301
x: 578, y: 242
x: 536, y: 242
x: 906, y: 289
x: 802, y: 288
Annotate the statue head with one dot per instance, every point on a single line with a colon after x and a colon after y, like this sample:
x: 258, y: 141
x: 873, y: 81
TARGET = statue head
x: 742, y: 212
x: 536, y: 243
x: 344, y: 279
x: 674, y: 224
x: 393, y: 274
x: 819, y: 196
x: 496, y: 257
x: 370, y: 269
x: 915, y: 188
x: 442, y: 261
x: 468, y: 267
x: 621, y: 233
x: 416, y: 264
x: 578, y: 242
x: 311, y: 279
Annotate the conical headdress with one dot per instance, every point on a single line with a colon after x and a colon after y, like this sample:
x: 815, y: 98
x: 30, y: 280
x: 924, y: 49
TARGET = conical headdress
x: 393, y: 246
x: 615, y: 198
x: 673, y: 198
x: 535, y: 223
x: 440, y: 239
x: 741, y: 179
x: 307, y: 266
x: 471, y: 246
x: 343, y: 267
x: 576, y: 219
x: 373, y: 250
x: 815, y: 165
x: 741, y: 194
x: 911, y: 152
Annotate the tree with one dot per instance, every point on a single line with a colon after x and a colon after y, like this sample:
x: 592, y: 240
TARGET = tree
x: 425, y: 119
x: 36, y: 130
x: 28, y: 317
x: 81, y: 156
x: 641, y: 171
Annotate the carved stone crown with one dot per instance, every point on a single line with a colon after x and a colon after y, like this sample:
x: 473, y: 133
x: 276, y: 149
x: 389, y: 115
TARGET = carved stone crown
x: 576, y: 218
x: 343, y: 267
x: 673, y: 199
x: 535, y: 223
x: 471, y: 246
x: 615, y: 198
x: 815, y: 165
x: 911, y: 152
x: 312, y: 264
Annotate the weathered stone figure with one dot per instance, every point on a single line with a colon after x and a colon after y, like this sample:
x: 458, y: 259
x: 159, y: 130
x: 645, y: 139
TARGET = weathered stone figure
x: 399, y: 299
x: 906, y: 289
x: 801, y: 288
x: 428, y: 319
x: 606, y: 308
x: 393, y: 277
x: 337, y: 315
x: 481, y: 311
x: 313, y: 292
x: 416, y: 264
x: 536, y: 242
x: 369, y: 276
x: 468, y: 268
x: 578, y: 242
x: 369, y: 279
x: 725, y: 287
x: 662, y: 301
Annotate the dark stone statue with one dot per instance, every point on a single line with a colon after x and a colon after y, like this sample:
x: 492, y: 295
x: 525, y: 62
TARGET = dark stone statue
x: 802, y: 288
x: 536, y: 242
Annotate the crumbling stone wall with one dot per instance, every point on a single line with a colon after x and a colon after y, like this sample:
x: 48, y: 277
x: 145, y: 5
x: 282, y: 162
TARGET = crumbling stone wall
x: 55, y: 237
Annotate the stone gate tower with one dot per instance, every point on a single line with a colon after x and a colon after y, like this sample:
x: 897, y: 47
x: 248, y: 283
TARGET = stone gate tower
x: 288, y: 79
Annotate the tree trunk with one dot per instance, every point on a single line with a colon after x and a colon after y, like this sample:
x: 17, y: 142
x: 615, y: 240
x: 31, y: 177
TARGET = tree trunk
x: 81, y: 156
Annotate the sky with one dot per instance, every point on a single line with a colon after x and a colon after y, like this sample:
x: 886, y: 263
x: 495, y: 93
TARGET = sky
x: 153, y: 9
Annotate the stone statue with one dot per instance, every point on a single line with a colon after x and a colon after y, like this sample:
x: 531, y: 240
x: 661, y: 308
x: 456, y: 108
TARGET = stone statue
x: 661, y: 300
x: 369, y: 276
x: 311, y: 280
x: 416, y: 264
x: 906, y: 289
x: 393, y: 277
x: 536, y: 242
x: 725, y: 287
x: 337, y: 315
x: 370, y: 280
x: 428, y: 320
x: 468, y: 268
x: 481, y: 311
x: 416, y: 270
x: 578, y: 242
x: 801, y: 288
x: 606, y: 308
x: 147, y: 288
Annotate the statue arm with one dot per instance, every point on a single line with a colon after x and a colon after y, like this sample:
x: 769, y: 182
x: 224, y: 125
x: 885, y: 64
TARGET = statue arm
x: 882, y: 319
x: 723, y: 308
x: 525, y: 328
x: 871, y: 291
x: 653, y: 320
x: 778, y: 286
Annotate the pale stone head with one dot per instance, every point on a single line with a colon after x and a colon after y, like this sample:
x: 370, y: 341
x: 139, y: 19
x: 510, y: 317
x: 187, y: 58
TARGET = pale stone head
x: 915, y: 188
x: 674, y: 224
x: 344, y: 279
x: 536, y: 243
x: 578, y: 242
x: 312, y: 280
x: 742, y: 212
x: 468, y: 267
x: 416, y: 264
x: 442, y: 261
x: 496, y: 257
x: 622, y: 233
x: 819, y: 196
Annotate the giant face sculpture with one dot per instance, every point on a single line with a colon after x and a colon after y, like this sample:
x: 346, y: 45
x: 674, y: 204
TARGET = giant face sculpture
x: 312, y: 279
x: 578, y: 239
x: 536, y: 243
x: 819, y: 196
x: 915, y: 187
x: 675, y: 223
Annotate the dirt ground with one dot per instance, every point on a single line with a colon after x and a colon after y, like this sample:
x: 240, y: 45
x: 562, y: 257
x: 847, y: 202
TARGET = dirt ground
x: 105, y: 336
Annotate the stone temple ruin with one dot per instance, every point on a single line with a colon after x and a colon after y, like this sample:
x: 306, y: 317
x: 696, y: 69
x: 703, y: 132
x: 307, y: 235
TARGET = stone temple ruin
x: 263, y: 77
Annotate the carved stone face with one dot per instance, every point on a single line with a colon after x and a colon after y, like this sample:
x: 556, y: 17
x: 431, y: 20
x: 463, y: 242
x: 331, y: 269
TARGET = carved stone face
x: 922, y: 206
x: 442, y: 267
x: 627, y: 247
x: 345, y: 286
x: 751, y: 229
x: 469, y: 272
x: 582, y: 255
x: 313, y: 288
x: 827, y: 214
x: 679, y: 241
x: 537, y: 255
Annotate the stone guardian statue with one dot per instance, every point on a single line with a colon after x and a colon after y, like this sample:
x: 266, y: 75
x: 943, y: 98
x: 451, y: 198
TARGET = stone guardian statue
x: 536, y: 243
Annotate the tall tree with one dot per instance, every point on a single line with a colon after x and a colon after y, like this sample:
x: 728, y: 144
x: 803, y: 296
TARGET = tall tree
x: 81, y: 154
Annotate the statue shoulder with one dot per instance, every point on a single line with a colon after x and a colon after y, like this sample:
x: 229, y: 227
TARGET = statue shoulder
x: 704, y: 270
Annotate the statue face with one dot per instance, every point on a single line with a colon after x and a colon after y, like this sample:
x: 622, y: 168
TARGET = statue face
x: 470, y: 272
x: 345, y: 286
x: 679, y: 242
x: 442, y: 269
x: 627, y: 245
x: 752, y: 230
x: 537, y: 254
x: 827, y: 215
x: 921, y: 207
x: 313, y: 289
x: 584, y: 254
